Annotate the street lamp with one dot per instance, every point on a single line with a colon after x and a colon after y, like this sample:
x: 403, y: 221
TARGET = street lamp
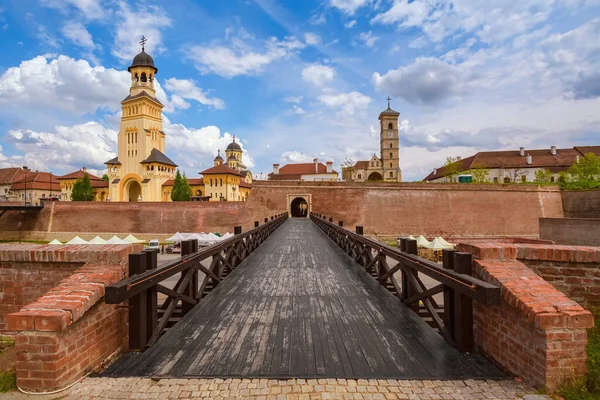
x: 26, y: 169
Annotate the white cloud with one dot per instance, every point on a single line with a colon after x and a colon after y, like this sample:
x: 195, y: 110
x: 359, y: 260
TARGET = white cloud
x: 349, y: 7
x: 367, y: 38
x: 297, y: 110
x: 63, y: 83
x: 312, y: 39
x: 295, y: 157
x: 194, y: 149
x: 318, y: 74
x: 350, y: 24
x: 293, y: 99
x: 242, y: 59
x: 348, y: 103
x: 317, y: 19
x: 78, y: 34
x: 131, y: 25
x: 67, y: 148
x: 90, y: 9
x: 187, y: 89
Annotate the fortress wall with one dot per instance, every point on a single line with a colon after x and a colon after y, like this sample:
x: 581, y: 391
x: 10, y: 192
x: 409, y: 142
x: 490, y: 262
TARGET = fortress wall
x: 450, y: 210
x: 581, y: 204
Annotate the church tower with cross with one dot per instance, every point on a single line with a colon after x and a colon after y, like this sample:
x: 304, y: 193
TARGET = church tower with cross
x: 386, y: 166
x: 141, y: 167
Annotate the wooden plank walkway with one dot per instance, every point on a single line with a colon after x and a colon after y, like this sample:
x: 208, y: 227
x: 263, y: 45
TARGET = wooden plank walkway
x: 300, y: 307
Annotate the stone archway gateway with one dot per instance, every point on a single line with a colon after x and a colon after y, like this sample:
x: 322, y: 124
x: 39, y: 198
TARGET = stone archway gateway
x: 134, y: 190
x: 299, y: 208
x: 375, y: 176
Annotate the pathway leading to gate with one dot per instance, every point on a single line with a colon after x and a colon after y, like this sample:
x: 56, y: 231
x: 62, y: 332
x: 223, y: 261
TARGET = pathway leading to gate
x: 299, y: 307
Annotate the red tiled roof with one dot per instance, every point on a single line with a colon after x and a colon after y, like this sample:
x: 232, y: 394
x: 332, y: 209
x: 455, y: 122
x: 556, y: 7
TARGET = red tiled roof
x: 220, y: 169
x: 588, y: 149
x: 191, y: 181
x: 563, y: 159
x: 99, y: 184
x: 10, y: 175
x: 295, y: 171
x: 79, y: 174
x: 245, y: 185
x: 361, y: 165
x: 37, y: 180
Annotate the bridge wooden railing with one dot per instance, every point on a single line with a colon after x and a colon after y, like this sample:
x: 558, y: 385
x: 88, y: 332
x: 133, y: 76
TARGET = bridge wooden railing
x: 148, y: 319
x: 460, y: 289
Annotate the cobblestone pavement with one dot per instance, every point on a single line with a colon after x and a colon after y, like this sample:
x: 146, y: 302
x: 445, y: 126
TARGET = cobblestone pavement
x: 292, y: 389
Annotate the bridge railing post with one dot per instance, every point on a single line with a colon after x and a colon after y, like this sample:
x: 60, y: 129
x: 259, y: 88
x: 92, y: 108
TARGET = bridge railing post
x: 341, y: 224
x: 359, y: 229
x: 138, y: 336
x: 237, y: 230
x: 410, y: 247
x: 256, y: 224
x: 449, y: 317
x: 463, y: 306
x: 266, y: 220
x: 187, y: 248
x: 151, y: 296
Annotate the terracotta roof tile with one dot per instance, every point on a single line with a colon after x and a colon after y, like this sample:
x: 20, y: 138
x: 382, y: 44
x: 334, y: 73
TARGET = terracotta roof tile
x: 245, y: 185
x: 361, y: 165
x: 294, y: 170
x: 37, y: 180
x: 156, y: 156
x: 99, y: 184
x: 10, y: 175
x: 220, y: 169
x: 79, y: 174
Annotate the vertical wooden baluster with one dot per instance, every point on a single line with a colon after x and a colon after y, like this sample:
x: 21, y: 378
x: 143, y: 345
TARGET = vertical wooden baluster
x: 137, y: 306
x: 448, y: 263
x: 463, y: 306
x: 186, y: 249
x: 410, y: 247
x: 152, y: 295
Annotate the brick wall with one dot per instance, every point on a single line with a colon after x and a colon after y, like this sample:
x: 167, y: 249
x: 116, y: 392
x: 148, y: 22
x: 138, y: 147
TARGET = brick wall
x: 574, y: 231
x: 536, y: 332
x: 581, y: 203
x: 449, y: 210
x: 69, y: 330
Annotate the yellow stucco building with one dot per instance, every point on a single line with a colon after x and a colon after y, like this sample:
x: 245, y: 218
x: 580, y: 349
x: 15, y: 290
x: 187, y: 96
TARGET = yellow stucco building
x: 67, y: 182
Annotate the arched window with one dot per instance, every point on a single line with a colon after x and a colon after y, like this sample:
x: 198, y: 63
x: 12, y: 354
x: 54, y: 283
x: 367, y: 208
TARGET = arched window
x: 198, y: 193
x: 390, y: 165
x: 143, y: 79
x: 391, y: 155
x: 152, y: 168
x: 391, y: 126
x: 390, y: 145
x: 391, y: 174
x: 137, y: 78
x: 372, y: 164
x: 359, y: 176
x: 496, y: 180
x: 150, y: 78
x: 507, y: 180
x: 211, y: 182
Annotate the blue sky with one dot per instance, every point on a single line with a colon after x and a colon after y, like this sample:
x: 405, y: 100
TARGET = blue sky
x: 295, y: 80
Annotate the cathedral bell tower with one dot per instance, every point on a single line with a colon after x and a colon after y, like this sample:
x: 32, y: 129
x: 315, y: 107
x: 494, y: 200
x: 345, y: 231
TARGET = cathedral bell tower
x: 390, y: 144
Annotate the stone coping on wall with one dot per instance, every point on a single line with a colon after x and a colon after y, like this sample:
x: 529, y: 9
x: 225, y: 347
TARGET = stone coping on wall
x: 526, y: 291
x: 67, y: 302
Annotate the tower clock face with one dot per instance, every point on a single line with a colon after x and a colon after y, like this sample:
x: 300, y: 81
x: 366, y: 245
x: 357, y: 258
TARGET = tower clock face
x: 390, y: 134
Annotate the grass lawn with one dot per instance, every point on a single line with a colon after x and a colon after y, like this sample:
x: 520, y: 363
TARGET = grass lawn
x: 8, y: 378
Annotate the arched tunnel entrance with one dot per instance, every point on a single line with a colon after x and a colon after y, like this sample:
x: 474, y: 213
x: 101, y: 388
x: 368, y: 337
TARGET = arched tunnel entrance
x: 299, y: 208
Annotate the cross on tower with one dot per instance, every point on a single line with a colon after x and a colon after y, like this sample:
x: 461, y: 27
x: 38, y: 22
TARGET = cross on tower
x: 388, y: 99
x: 143, y: 42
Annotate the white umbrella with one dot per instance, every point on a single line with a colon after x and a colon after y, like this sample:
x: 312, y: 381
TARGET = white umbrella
x: 132, y: 239
x: 437, y: 245
x: 116, y: 240
x: 55, y: 241
x: 177, y: 237
x: 422, y: 242
x: 77, y: 240
x: 442, y: 241
x: 97, y: 240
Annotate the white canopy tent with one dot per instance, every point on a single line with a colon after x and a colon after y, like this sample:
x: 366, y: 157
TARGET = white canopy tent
x: 77, y: 240
x: 116, y: 240
x: 177, y: 237
x: 422, y: 241
x: 97, y: 240
x: 132, y: 239
x: 442, y: 241
x: 437, y: 245
x: 55, y: 241
x: 411, y: 237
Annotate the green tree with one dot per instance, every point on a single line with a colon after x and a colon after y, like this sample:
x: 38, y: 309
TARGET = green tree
x: 588, y: 168
x: 452, y: 168
x: 543, y: 176
x: 181, y: 188
x: 480, y: 173
x: 82, y: 190
x: 105, y: 177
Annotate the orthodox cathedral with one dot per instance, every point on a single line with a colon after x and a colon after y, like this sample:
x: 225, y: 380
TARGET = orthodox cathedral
x: 142, y: 172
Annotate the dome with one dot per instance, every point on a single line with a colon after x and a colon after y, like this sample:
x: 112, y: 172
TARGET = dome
x: 218, y: 158
x: 234, y: 146
x: 143, y: 59
x: 232, y: 157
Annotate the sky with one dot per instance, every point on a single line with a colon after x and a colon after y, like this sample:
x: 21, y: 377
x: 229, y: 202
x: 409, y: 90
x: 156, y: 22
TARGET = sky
x: 299, y: 79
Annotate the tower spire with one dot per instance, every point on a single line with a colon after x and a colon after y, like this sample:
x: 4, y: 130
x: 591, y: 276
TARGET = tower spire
x: 143, y: 42
x: 388, y: 100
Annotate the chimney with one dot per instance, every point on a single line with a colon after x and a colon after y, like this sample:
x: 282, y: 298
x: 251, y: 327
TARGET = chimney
x: 458, y: 158
x: 316, y: 161
x: 553, y: 150
x: 529, y: 159
x: 329, y: 167
x: 276, y: 169
x: 435, y: 171
x: 521, y: 151
x: 577, y: 159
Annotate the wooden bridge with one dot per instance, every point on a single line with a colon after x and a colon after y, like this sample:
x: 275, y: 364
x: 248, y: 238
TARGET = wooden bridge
x: 302, y: 298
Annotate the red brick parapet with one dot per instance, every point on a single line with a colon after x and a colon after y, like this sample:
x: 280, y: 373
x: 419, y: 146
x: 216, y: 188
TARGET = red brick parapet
x: 69, y: 330
x: 537, y: 332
